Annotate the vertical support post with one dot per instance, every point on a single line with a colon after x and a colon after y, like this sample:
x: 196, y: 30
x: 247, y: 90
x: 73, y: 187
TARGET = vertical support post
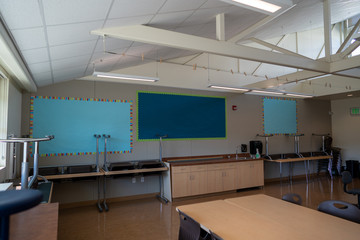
x: 267, y: 146
x: 24, y: 168
x: 327, y: 29
x: 220, y: 27
x: 36, y: 165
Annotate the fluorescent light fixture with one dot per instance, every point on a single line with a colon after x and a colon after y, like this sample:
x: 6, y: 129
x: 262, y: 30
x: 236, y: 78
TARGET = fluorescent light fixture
x: 313, y: 78
x: 124, y: 77
x: 258, y: 4
x: 267, y: 92
x: 229, y: 88
x: 250, y: 91
x: 298, y: 95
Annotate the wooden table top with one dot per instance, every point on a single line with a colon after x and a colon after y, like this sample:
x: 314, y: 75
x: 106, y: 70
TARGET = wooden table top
x: 264, y: 217
x: 74, y: 175
x: 143, y: 170
x: 37, y: 223
x: 299, y: 159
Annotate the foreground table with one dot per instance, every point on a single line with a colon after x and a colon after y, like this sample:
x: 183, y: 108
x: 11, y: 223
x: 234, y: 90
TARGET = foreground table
x: 264, y: 217
x: 38, y: 223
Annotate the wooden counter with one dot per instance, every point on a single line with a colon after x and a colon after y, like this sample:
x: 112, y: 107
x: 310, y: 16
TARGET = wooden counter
x: 210, y: 174
x: 38, y: 223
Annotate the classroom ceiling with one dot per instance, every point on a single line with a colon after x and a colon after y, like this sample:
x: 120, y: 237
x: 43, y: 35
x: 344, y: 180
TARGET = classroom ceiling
x: 53, y: 38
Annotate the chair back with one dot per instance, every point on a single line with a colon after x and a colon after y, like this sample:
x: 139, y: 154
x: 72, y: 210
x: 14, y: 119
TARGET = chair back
x: 340, y: 209
x: 293, y: 198
x: 189, y: 228
x: 346, y: 177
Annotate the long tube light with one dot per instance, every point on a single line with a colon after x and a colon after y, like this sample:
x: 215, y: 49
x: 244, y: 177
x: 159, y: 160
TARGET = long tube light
x: 125, y: 77
x: 249, y: 91
x: 229, y: 88
x: 267, y: 92
x: 258, y: 4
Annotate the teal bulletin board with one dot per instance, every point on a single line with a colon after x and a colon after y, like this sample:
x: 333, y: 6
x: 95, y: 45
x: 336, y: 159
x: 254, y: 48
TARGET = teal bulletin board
x: 279, y: 116
x: 180, y: 116
x: 74, y: 121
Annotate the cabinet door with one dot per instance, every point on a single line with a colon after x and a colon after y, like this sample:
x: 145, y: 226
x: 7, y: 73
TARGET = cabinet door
x: 180, y: 185
x: 198, y: 182
x: 214, y: 181
x: 257, y: 173
x: 250, y: 174
x: 228, y: 179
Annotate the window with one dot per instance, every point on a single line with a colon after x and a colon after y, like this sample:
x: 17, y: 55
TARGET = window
x: 4, y: 97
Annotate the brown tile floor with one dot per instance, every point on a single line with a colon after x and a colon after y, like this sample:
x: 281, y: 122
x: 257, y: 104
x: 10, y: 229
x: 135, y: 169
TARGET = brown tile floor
x: 150, y: 219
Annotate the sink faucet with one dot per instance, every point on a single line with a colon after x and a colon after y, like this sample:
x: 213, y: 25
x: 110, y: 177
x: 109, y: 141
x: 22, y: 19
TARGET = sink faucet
x: 236, y: 152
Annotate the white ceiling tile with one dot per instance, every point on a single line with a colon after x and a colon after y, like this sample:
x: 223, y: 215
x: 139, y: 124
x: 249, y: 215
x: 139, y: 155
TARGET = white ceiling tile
x: 176, y: 5
x: 127, y: 21
x: 21, y: 13
x: 39, y: 67
x: 42, y: 79
x: 203, y: 16
x: 112, y: 44
x: 71, y: 33
x: 130, y: 8
x: 191, y: 29
x: 71, y: 50
x: 75, y: 11
x: 69, y: 74
x: 36, y: 55
x: 70, y: 62
x: 170, y: 19
x: 214, y: 3
x: 148, y: 50
x: 30, y: 38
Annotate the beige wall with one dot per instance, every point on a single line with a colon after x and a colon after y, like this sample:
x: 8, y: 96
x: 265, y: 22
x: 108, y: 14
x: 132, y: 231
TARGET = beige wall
x: 242, y: 125
x: 346, y: 128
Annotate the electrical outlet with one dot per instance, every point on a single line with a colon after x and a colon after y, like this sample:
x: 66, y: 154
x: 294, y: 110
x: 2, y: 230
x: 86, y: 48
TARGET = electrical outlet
x: 142, y: 179
x: 133, y: 180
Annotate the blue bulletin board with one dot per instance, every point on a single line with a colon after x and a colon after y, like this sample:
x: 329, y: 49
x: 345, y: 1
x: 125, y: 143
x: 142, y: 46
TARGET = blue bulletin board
x: 180, y: 116
x: 280, y: 116
x: 74, y: 121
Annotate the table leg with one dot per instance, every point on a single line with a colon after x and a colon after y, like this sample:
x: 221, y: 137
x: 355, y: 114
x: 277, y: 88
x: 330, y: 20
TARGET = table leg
x: 98, y: 200
x: 104, y: 202
x: 306, y: 171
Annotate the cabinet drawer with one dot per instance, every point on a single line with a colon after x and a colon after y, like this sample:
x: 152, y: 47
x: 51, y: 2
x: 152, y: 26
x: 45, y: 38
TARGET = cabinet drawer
x: 216, y: 166
x: 219, y: 166
x: 198, y: 168
x: 180, y: 169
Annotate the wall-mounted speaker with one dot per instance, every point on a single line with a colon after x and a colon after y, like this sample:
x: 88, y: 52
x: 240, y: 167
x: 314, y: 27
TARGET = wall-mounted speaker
x: 255, y: 145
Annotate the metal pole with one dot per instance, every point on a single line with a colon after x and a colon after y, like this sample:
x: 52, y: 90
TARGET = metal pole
x: 105, y: 152
x: 36, y: 165
x: 97, y: 151
x: 24, y: 168
x: 267, y: 146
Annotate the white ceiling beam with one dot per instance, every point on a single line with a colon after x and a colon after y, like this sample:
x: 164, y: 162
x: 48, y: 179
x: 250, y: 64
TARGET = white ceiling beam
x: 327, y: 29
x: 345, y: 64
x: 220, y: 27
x: 256, y: 26
x: 349, y: 36
x: 346, y: 52
x: 277, y: 48
x: 12, y: 62
x: 150, y: 35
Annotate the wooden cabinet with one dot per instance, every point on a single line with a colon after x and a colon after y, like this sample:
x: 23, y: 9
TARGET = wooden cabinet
x: 189, y: 180
x: 210, y: 178
x: 198, y: 180
x: 250, y: 174
x: 221, y: 177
